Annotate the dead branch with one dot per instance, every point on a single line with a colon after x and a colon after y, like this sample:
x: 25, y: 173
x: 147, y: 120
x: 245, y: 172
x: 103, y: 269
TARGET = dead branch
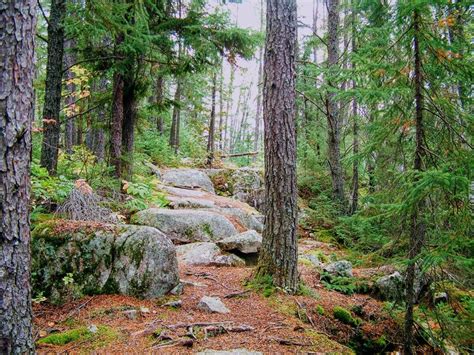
x: 289, y: 342
x: 234, y: 155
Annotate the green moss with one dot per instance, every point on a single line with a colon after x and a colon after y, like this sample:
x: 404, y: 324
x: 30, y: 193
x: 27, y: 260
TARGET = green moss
x: 307, y: 291
x: 262, y: 284
x: 139, y: 288
x: 206, y: 227
x: 320, y: 310
x: 345, y: 316
x: 67, y: 337
x: 111, y: 286
x: 102, y: 337
x: 323, y: 344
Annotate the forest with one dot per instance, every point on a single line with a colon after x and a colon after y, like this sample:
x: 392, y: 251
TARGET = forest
x: 236, y: 176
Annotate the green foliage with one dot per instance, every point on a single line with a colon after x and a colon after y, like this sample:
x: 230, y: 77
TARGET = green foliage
x: 346, y: 285
x: 345, y: 316
x: 143, y: 195
x: 100, y: 338
x: 262, y: 284
x: 320, y: 310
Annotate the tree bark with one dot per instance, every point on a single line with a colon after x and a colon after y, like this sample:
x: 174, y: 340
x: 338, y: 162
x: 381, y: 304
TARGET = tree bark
x: 221, y: 105
x: 69, y: 131
x: 417, y: 228
x: 278, y: 256
x: 333, y: 115
x: 230, y: 102
x: 52, y: 98
x: 17, y: 32
x: 258, y: 114
x: 175, y: 122
x: 117, y: 121
x: 128, y: 126
x: 160, y: 88
x: 212, y: 123
x: 355, y: 127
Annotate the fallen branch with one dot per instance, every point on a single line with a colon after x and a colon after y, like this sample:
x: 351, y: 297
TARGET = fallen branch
x: 290, y: 342
x: 198, y: 324
x: 236, y: 294
x: 234, y: 155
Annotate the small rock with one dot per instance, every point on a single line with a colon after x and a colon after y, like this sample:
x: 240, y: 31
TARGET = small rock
x: 440, y: 297
x: 313, y: 259
x: 227, y: 260
x: 131, y: 314
x: 212, y: 305
x: 174, y: 304
x: 93, y: 328
x: 178, y: 290
x: 339, y: 268
x: 390, y: 287
x: 144, y: 310
x: 191, y: 283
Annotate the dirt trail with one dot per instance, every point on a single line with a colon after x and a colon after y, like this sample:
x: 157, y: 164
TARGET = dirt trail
x: 280, y: 323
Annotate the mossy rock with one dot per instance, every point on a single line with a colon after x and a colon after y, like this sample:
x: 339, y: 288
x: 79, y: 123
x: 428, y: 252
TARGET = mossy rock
x: 133, y: 260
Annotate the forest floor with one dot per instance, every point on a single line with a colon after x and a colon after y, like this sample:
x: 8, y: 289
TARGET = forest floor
x: 272, y: 323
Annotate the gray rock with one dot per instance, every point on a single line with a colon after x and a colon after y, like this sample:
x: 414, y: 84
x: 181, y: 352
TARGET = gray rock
x: 189, y: 178
x: 212, y: 305
x: 132, y: 260
x: 178, y: 290
x: 190, y: 202
x: 339, y: 268
x: 131, y: 314
x: 247, y: 242
x: 154, y: 169
x: 93, y: 328
x: 206, y: 254
x: 186, y: 226
x: 144, y: 310
x: 178, y: 192
x: 390, y: 287
x: 439, y: 297
x: 229, y: 352
x: 313, y: 259
x: 248, y: 187
x: 174, y: 304
x: 248, y: 219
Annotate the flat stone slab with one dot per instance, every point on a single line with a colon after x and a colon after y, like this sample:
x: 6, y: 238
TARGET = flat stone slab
x: 248, y: 242
x: 212, y: 305
x: 190, y: 178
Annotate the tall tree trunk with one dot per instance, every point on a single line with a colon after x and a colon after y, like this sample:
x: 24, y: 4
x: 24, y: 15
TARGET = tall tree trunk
x: 333, y: 116
x: 69, y: 102
x: 278, y: 256
x: 116, y: 126
x: 417, y: 228
x: 52, y: 96
x: 230, y: 104
x: 355, y: 127
x: 159, y: 97
x: 128, y: 126
x: 315, y: 28
x: 258, y: 114
x: 175, y: 122
x: 221, y: 105
x: 17, y: 33
x: 212, y: 123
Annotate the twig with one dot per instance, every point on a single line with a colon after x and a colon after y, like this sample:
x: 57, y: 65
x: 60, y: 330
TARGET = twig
x: 236, y: 294
x: 290, y: 342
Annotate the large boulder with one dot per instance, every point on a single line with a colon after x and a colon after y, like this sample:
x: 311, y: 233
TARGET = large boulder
x: 247, y: 242
x: 207, y: 254
x: 188, y: 178
x: 187, y: 226
x: 390, y: 287
x: 76, y: 258
x: 248, y: 187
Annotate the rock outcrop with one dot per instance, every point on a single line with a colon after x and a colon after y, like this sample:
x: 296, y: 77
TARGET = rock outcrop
x: 187, y: 226
x: 248, y: 242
